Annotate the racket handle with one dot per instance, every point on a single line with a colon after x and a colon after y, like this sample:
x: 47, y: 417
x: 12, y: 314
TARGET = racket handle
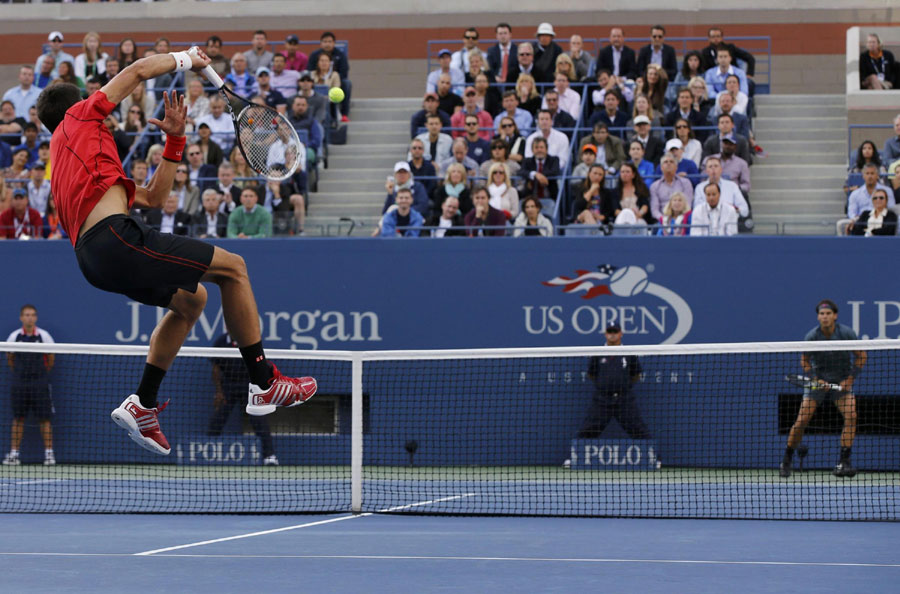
x: 211, y: 75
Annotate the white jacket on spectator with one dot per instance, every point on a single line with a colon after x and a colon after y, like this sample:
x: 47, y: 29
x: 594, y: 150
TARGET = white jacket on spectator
x: 730, y: 194
x: 557, y: 146
x: 546, y: 227
x: 721, y: 220
x: 444, y: 145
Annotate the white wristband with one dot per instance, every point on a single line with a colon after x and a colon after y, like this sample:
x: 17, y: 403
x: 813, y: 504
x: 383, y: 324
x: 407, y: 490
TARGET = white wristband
x: 183, y: 61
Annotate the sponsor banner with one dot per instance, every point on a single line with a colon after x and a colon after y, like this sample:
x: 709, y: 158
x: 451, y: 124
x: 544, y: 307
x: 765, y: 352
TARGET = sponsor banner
x: 225, y: 450
x: 613, y: 454
x: 366, y: 294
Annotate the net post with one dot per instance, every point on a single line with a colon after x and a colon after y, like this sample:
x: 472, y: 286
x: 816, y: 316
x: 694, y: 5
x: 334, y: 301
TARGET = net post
x: 356, y: 433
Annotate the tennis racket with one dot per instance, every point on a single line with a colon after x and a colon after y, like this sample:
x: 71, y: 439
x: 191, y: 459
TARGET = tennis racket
x: 266, y: 138
x: 811, y: 383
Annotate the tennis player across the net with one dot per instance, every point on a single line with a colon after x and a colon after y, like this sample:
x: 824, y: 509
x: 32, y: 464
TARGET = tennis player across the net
x: 119, y: 254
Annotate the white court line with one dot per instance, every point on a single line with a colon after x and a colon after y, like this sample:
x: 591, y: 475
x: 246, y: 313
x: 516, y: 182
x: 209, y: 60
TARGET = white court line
x: 33, y: 482
x: 298, y: 526
x: 457, y: 558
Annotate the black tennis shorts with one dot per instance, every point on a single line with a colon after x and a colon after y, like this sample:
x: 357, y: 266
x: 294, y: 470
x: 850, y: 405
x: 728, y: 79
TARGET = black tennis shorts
x: 31, y: 396
x: 123, y: 255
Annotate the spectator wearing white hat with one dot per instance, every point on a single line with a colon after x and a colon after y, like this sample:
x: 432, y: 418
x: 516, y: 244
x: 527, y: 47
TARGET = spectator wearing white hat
x: 545, y: 53
x: 403, y: 180
x: 56, y: 40
x: 457, y: 77
x: 685, y: 167
x: 653, y: 146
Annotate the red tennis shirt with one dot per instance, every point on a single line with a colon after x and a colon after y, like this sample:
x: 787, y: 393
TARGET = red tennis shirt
x: 85, y: 162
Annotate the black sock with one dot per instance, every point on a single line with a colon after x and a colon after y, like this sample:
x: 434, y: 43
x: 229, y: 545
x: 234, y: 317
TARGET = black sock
x: 257, y: 365
x: 788, y: 455
x: 153, y: 376
x: 845, y: 455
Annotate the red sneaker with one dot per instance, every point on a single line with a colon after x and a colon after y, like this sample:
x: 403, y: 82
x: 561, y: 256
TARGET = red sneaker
x: 282, y: 391
x: 142, y: 425
x: 345, y: 118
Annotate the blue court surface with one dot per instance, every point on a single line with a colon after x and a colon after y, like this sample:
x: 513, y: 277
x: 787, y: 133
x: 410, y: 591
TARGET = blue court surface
x: 391, y: 553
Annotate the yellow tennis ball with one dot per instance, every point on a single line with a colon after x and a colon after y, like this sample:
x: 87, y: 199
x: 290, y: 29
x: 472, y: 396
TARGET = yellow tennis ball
x: 336, y: 95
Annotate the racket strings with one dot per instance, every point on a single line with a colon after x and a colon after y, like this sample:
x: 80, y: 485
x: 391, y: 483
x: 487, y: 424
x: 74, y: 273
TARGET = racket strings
x: 269, y: 142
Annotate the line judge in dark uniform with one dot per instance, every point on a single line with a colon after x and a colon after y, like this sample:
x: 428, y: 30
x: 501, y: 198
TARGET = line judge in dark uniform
x: 613, y: 378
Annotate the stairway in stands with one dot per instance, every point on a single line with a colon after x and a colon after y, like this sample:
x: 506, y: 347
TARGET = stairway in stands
x: 353, y: 185
x: 798, y: 187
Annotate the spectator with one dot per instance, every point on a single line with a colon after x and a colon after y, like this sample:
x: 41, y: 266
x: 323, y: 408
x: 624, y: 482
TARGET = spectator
x: 141, y: 98
x: 486, y: 96
x: 457, y: 78
x: 459, y: 153
x: 259, y: 55
x: 340, y: 64
x: 715, y: 77
x: 460, y: 59
x: 30, y: 386
x: 18, y: 169
x: 484, y: 215
x: 877, y: 220
x: 728, y: 193
x: 502, y: 57
x: 54, y: 54
x: 187, y: 193
x: 861, y: 198
x: 891, y: 150
x: 272, y: 98
x: 566, y: 67
x: 692, y: 148
x: 437, y: 144
x: 865, y: 154
x: 169, y: 218
x: 502, y: 192
x: 652, y: 145
x: 154, y: 158
x: 448, y: 101
x: 739, y: 100
x: 733, y: 167
x: 403, y: 180
x: 529, y: 99
x: 607, y: 83
x: 877, y: 67
x: 44, y: 156
x: 642, y: 107
x: 30, y: 143
x: 658, y: 52
x: 690, y: 68
x: 470, y: 108
x: 670, y: 183
x: 632, y: 197
x: 611, y: 115
x: 525, y: 65
x: 531, y: 222
x: 139, y: 172
x: 92, y: 61
x: 24, y: 95
x: 421, y: 168
x: 580, y: 58
x: 540, y: 170
x: 676, y: 216
x: 636, y: 154
x: 588, y: 159
x: 610, y: 150
x: 710, y: 216
x: 653, y: 83
x: 455, y: 184
x: 557, y: 142
x: 429, y: 107
x: 127, y: 53
x: 448, y: 218
x: 294, y: 58
x: 509, y: 133
x: 11, y: 126
x: 38, y: 189
x: 52, y: 228
x: 123, y: 142
x: 231, y: 194
x: 199, y: 172
x: 684, y: 110
x: 20, y: 220
x: 499, y: 155
x: 250, y: 220
x: 287, y: 204
x: 524, y: 120
x: 710, y: 54
x: 713, y: 144
x: 209, y: 222
x: 318, y: 104
x: 218, y: 61
x: 323, y: 74
x: 212, y: 152
x: 702, y: 102
x: 44, y: 73
x: 394, y: 219
x: 569, y: 101
x: 282, y: 79
x: 478, y: 148
x: 617, y: 58
x: 300, y: 117
x: 112, y: 69
x: 239, y: 79
x: 726, y: 105
x: 546, y: 51
x: 684, y: 167
x: 196, y: 101
x: 559, y: 118
x: 594, y: 204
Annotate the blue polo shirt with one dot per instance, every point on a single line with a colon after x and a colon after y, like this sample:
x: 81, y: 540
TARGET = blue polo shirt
x: 831, y: 366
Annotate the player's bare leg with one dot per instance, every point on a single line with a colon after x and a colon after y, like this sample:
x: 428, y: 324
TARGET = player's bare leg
x: 172, y: 330
x: 268, y: 389
x: 807, y: 408
x: 846, y: 404
x: 47, y: 436
x: 15, y: 442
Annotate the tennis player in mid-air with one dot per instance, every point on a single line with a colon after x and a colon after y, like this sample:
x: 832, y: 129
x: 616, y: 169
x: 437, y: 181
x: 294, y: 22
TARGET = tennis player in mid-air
x: 119, y: 254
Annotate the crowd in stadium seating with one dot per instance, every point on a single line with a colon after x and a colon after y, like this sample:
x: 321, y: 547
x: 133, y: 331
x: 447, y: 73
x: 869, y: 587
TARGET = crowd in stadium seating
x: 215, y: 194
x: 872, y: 173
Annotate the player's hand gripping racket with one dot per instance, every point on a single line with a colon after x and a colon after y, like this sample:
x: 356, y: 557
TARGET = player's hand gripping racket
x: 266, y: 138
x: 811, y: 383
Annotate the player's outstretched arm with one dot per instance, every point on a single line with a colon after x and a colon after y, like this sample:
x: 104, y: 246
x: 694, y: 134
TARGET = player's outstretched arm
x: 172, y: 125
x: 126, y: 81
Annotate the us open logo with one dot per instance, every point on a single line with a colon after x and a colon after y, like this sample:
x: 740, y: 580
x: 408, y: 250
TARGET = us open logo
x: 628, y: 282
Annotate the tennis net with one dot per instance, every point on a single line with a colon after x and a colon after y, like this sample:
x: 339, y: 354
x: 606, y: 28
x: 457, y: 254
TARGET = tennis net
x: 700, y: 433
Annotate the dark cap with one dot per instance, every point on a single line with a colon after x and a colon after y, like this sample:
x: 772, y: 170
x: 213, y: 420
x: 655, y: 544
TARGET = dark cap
x: 292, y: 39
x: 20, y: 192
x: 444, y: 52
x: 827, y: 303
x: 729, y: 138
x: 613, y: 328
x: 38, y: 165
x: 305, y: 76
x: 203, y: 125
